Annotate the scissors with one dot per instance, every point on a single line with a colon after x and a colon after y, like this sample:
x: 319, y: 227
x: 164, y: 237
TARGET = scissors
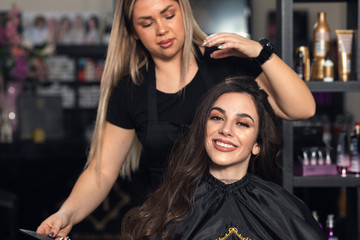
x: 36, y: 235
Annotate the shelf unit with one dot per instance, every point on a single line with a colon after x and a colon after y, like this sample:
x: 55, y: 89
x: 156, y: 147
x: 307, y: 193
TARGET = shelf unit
x: 25, y: 165
x: 85, y: 115
x: 286, y: 49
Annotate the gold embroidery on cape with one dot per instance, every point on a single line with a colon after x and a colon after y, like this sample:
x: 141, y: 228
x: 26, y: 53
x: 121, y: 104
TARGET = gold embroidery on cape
x: 233, y: 231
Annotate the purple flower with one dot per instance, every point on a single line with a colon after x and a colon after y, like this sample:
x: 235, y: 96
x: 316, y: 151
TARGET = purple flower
x: 3, y: 39
x: 16, y: 60
x: 12, y: 33
x: 20, y: 70
x: 14, y: 13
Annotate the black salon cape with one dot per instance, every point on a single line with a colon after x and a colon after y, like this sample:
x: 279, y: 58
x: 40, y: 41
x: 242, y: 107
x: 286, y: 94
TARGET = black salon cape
x: 250, y: 209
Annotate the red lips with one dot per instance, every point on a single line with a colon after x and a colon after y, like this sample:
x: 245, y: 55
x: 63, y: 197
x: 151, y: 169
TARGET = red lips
x: 223, y: 146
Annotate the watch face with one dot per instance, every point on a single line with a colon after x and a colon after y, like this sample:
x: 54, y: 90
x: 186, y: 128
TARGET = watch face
x: 266, y: 44
x: 265, y: 53
x: 269, y: 44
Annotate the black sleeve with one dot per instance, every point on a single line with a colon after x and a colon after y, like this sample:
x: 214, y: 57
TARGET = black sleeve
x: 119, y: 105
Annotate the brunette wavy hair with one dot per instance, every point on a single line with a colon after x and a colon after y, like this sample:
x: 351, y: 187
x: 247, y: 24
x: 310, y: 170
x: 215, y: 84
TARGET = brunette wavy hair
x: 189, y: 161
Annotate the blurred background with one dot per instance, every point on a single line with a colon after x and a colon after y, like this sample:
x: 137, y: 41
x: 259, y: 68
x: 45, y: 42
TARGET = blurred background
x: 48, y: 107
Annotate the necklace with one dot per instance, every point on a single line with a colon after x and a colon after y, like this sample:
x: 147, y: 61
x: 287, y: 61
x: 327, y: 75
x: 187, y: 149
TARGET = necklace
x: 229, y: 181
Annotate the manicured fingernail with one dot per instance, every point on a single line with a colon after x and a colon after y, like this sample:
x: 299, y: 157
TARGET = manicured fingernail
x: 220, y: 46
x: 203, y: 43
x: 51, y: 234
x: 211, y: 55
x: 62, y: 238
x: 208, y: 44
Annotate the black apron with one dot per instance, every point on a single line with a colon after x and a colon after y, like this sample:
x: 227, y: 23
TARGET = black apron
x: 161, y: 137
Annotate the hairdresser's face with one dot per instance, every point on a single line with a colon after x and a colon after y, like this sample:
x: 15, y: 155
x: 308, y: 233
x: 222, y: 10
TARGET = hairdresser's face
x: 158, y: 24
x: 231, y: 133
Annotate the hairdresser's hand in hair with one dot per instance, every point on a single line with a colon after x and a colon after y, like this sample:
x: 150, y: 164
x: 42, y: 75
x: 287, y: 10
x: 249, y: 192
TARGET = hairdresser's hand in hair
x: 57, y: 225
x: 231, y: 44
x: 284, y: 86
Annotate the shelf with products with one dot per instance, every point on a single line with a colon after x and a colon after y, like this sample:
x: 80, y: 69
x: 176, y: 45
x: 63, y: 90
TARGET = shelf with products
x: 82, y: 50
x: 286, y: 49
x: 320, y: 1
x: 326, y: 181
x: 74, y: 73
x: 77, y: 93
x: 337, y: 86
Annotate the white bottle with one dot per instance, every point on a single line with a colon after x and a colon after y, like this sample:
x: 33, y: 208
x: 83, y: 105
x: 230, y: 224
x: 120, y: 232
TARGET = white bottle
x: 328, y: 69
x: 306, y: 161
x: 313, y: 160
x: 329, y: 229
x: 328, y: 158
x: 321, y: 160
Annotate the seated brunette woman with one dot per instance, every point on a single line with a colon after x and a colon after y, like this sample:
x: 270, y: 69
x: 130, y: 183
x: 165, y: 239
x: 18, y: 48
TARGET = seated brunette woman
x: 218, y: 182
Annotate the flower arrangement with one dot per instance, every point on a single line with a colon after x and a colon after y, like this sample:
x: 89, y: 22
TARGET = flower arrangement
x: 20, y: 63
x: 13, y: 58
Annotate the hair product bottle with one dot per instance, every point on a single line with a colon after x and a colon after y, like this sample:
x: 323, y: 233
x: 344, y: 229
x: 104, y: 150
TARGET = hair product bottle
x: 328, y: 69
x: 306, y: 160
x: 306, y: 61
x: 354, y: 149
x: 313, y: 159
x: 345, y: 39
x: 329, y: 229
x: 299, y: 66
x: 328, y: 157
x: 342, y: 155
x: 321, y: 160
x: 321, y: 38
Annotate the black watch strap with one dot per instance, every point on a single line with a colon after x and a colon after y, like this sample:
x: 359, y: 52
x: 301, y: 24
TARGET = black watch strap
x: 266, y: 52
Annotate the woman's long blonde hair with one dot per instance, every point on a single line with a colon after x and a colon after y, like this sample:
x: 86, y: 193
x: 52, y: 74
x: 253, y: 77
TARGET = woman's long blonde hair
x: 125, y: 56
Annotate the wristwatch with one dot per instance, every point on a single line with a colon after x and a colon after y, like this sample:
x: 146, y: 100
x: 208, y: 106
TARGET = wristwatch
x: 266, y: 52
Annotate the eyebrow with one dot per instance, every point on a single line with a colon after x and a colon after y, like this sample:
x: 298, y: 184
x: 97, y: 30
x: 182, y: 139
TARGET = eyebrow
x: 238, y: 114
x: 161, y: 12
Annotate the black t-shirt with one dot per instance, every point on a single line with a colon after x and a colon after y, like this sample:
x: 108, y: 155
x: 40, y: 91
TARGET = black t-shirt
x: 127, y: 106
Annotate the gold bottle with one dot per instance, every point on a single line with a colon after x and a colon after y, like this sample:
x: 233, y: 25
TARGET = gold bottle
x: 321, y: 38
x: 306, y: 61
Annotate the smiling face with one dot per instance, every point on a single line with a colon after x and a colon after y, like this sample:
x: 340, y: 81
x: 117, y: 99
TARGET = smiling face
x: 231, y: 133
x: 158, y: 24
